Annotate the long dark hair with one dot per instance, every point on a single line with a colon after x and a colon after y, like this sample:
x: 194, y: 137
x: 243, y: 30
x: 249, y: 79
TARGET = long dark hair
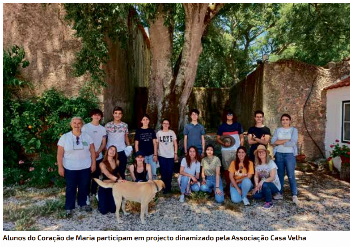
x: 143, y: 163
x: 188, y: 158
x: 245, y: 161
x: 106, y: 162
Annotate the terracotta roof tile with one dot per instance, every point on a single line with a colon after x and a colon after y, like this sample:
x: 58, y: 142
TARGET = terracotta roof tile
x: 343, y: 83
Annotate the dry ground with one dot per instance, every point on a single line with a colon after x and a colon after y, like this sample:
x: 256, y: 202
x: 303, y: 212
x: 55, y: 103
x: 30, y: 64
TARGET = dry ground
x: 324, y: 206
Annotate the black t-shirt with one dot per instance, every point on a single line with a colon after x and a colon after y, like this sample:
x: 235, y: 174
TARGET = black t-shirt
x: 258, y: 132
x: 145, y: 138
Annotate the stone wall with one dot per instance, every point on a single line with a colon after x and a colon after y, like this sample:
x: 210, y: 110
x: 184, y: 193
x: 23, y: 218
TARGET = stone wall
x: 50, y: 47
x: 295, y: 88
x: 49, y: 43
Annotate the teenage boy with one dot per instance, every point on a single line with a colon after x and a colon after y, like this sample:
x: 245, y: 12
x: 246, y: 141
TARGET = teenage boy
x: 258, y: 134
x: 98, y: 134
x: 231, y: 128
x: 146, y: 142
x: 117, y: 133
x: 194, y: 133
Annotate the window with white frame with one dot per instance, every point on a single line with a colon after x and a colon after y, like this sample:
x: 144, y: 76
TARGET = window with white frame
x: 346, y: 122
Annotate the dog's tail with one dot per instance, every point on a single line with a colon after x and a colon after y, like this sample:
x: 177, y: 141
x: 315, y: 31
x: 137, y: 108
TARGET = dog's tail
x: 104, y: 185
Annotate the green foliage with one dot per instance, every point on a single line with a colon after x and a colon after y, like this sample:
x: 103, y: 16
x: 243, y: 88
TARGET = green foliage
x: 312, y: 33
x: 33, y: 126
x: 93, y: 23
x: 229, y: 50
x: 339, y: 151
x: 243, y: 33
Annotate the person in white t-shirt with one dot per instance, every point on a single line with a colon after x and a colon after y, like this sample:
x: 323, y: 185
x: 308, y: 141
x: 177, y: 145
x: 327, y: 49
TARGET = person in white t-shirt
x: 118, y: 136
x: 167, y: 153
x: 76, y: 160
x: 98, y: 134
x: 266, y: 180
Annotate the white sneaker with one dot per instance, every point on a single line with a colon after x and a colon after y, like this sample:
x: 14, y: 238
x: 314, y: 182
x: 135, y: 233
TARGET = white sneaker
x: 182, y: 198
x: 246, y: 201
x: 295, y: 200
x: 97, y: 197
x: 278, y: 196
x: 88, y: 200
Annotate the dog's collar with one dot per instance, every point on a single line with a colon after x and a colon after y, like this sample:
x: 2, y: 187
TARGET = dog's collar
x: 156, y: 185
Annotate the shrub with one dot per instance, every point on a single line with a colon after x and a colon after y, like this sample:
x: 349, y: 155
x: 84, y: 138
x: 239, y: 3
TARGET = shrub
x: 33, y: 126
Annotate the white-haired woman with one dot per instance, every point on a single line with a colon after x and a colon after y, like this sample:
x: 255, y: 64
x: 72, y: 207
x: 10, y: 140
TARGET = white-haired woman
x: 76, y: 160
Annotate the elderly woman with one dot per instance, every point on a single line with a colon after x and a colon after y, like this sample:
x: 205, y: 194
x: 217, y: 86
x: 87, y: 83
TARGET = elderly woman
x: 76, y: 160
x: 266, y: 180
x: 285, y: 140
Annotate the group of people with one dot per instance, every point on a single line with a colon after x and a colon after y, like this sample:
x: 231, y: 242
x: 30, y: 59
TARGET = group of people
x: 80, y: 159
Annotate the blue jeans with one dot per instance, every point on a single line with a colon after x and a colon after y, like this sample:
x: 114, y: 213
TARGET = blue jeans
x: 246, y: 185
x: 211, y: 185
x: 184, y: 182
x: 166, y: 171
x: 268, y: 189
x: 76, y: 179
x: 286, y: 162
x: 149, y: 160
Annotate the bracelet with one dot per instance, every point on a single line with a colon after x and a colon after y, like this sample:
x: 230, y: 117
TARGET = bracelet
x: 155, y: 155
x: 217, y: 187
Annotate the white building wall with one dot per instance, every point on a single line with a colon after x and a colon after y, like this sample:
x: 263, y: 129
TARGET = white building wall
x: 335, y: 97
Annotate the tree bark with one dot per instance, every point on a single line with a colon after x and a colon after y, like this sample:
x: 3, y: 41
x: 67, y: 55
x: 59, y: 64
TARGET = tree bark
x: 161, y: 46
x: 169, y: 92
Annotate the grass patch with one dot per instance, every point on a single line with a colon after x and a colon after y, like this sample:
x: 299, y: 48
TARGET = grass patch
x: 199, y: 197
x: 24, y: 216
x: 236, y: 207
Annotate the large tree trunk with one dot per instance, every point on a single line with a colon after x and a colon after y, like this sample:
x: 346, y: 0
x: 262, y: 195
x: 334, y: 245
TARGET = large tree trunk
x: 169, y: 92
x: 161, y: 42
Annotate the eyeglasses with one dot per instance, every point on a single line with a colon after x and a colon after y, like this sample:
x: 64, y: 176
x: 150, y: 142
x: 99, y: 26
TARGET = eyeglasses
x: 229, y: 114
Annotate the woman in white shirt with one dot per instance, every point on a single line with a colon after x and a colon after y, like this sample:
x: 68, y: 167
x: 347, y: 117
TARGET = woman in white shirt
x: 76, y: 160
x: 285, y: 140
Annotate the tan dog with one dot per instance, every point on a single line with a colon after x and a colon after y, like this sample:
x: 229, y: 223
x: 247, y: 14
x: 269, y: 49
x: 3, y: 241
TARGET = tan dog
x: 142, y: 192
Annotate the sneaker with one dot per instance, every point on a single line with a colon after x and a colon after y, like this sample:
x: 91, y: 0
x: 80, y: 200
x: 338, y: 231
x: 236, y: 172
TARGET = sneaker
x: 182, y: 198
x: 268, y: 205
x: 278, y: 196
x: 246, y: 201
x: 88, y: 200
x: 86, y: 208
x: 69, y: 213
x: 96, y: 197
x: 295, y: 199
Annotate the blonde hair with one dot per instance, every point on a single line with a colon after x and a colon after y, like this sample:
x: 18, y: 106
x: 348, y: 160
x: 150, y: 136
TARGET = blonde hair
x: 258, y: 160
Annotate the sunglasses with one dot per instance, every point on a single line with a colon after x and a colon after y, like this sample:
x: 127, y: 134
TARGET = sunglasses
x: 78, y: 140
x: 229, y: 114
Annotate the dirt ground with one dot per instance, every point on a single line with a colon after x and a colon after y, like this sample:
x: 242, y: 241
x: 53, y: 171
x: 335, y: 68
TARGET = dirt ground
x: 324, y: 206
